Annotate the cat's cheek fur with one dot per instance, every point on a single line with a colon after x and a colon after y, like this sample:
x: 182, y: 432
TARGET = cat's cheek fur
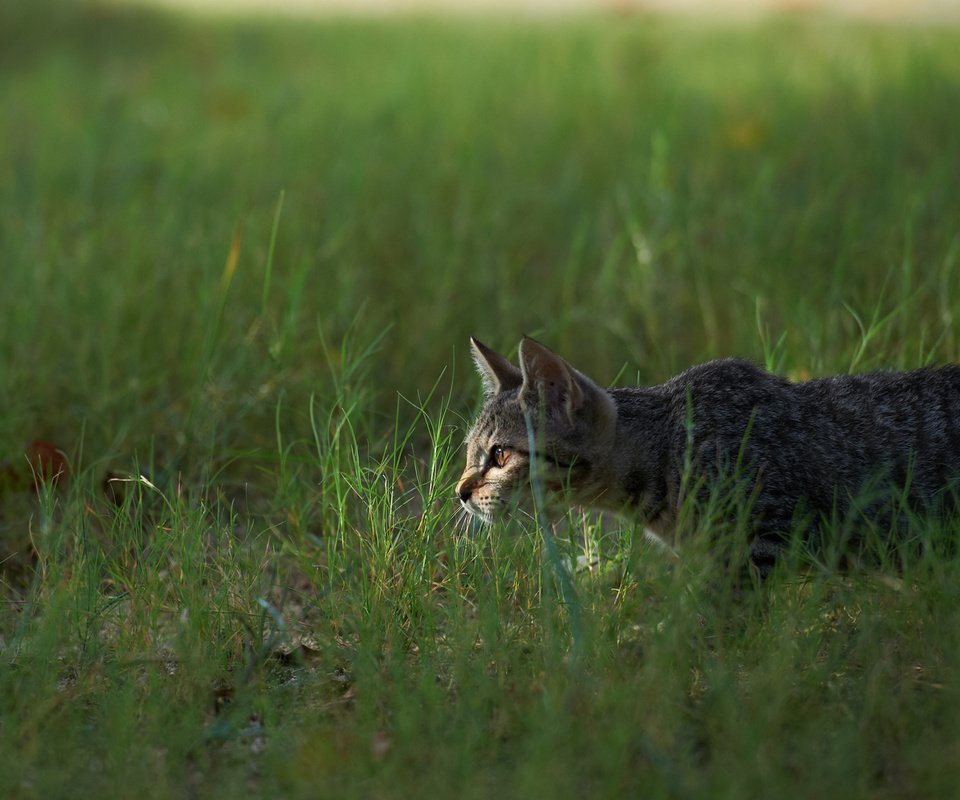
x: 479, y: 511
x: 482, y: 504
x: 497, y: 494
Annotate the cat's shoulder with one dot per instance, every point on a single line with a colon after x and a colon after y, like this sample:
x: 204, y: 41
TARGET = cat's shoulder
x: 729, y: 374
x: 725, y: 368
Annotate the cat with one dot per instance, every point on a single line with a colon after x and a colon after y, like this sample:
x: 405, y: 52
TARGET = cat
x: 799, y: 454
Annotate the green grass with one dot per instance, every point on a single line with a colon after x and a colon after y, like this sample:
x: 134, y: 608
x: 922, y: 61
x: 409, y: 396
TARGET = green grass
x: 241, y: 260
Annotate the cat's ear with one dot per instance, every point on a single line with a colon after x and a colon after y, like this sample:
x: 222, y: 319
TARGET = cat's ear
x: 498, y: 374
x: 547, y: 378
x: 550, y: 380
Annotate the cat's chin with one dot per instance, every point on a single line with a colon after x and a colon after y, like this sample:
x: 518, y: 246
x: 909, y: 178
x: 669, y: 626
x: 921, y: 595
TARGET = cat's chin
x: 517, y: 506
x: 477, y: 515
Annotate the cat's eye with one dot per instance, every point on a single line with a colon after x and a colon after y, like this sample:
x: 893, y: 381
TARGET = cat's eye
x: 501, y: 455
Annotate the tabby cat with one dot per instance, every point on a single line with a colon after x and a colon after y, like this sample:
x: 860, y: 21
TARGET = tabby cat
x: 800, y: 454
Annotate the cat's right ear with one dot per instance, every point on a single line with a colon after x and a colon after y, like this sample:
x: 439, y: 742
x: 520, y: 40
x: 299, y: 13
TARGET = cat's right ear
x: 498, y: 374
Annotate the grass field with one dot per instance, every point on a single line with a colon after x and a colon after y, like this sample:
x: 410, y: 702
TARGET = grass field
x: 239, y: 265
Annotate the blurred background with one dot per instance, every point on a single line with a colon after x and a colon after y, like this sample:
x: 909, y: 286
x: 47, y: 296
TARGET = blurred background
x: 209, y: 217
x: 932, y: 10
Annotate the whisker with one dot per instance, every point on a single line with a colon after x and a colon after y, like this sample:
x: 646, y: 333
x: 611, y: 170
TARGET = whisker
x: 528, y: 514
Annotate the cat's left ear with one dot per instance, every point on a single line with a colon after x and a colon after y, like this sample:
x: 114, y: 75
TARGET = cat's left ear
x: 552, y: 382
x: 552, y: 385
x: 547, y: 378
x: 498, y: 374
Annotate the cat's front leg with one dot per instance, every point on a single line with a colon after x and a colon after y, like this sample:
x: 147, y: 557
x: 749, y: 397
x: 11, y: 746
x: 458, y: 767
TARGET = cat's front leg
x: 764, y: 550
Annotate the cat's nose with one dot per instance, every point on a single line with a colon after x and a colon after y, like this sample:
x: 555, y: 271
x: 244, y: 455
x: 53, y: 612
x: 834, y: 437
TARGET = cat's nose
x: 469, y: 480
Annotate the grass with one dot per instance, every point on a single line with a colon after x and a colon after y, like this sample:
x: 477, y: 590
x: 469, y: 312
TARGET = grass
x: 240, y: 263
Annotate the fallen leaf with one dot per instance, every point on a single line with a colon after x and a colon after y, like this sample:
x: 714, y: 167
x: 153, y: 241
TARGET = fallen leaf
x: 48, y: 463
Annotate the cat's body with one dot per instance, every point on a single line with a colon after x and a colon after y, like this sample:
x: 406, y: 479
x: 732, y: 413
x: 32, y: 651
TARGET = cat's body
x: 797, y: 454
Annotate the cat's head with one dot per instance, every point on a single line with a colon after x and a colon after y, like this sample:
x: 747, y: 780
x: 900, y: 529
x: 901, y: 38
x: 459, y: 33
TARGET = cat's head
x: 543, y: 411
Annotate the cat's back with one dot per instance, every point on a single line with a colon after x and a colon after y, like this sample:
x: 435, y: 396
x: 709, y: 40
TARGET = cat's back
x: 916, y: 411
x: 716, y: 396
x: 868, y: 413
x: 842, y: 426
x: 886, y: 391
x: 927, y: 398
